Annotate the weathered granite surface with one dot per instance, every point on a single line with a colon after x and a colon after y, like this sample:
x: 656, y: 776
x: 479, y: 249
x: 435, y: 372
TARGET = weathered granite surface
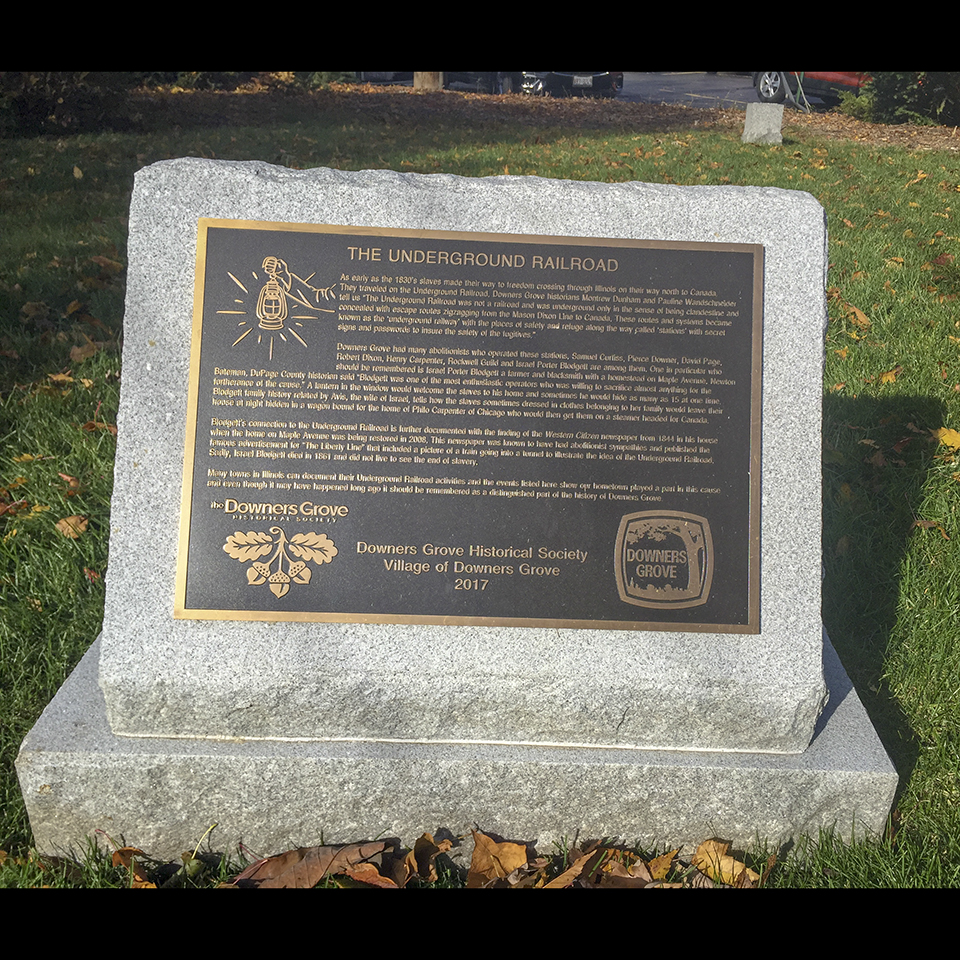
x: 78, y: 776
x: 763, y: 123
x: 679, y: 691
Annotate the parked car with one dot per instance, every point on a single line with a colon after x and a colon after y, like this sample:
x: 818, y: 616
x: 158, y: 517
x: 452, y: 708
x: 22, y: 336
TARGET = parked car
x: 772, y: 86
x: 565, y: 84
x: 554, y: 84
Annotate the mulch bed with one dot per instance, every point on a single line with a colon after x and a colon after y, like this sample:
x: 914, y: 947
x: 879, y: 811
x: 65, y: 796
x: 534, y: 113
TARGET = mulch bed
x: 397, y: 104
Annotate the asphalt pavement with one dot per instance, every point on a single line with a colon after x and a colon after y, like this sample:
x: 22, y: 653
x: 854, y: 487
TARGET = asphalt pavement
x: 693, y: 88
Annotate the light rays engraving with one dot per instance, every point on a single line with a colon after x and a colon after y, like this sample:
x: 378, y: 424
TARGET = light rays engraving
x: 277, y: 292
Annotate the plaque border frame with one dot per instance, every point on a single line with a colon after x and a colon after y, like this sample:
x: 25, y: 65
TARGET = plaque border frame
x: 751, y: 627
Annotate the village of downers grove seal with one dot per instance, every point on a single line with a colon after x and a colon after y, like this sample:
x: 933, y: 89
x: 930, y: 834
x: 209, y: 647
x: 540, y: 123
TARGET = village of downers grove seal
x: 401, y: 426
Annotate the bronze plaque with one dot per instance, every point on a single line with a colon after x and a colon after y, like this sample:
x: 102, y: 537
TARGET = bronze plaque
x: 401, y: 426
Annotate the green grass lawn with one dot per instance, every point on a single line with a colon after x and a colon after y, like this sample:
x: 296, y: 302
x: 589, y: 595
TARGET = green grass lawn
x: 891, y: 475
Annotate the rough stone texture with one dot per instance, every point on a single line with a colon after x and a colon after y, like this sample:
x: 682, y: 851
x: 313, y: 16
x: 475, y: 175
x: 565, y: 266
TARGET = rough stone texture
x: 660, y: 690
x: 161, y: 794
x: 763, y: 123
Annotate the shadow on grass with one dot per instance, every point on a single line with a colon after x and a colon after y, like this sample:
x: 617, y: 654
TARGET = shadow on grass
x: 877, y: 455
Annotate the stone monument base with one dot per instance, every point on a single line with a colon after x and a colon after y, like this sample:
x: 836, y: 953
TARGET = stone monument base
x: 162, y: 794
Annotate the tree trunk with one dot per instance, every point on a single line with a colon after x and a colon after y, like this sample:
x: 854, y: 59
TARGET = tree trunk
x: 427, y: 82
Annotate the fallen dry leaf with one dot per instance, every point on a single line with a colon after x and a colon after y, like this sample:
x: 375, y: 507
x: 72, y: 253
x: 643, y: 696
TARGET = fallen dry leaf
x: 127, y: 857
x: 660, y: 866
x: 368, y: 874
x: 72, y: 527
x: 857, y: 317
x: 712, y: 859
x: 493, y: 860
x: 92, y: 425
x: 930, y: 525
x: 84, y: 352
x: 948, y: 437
x: 304, y: 867
x: 73, y: 484
x: 107, y: 266
x: 420, y: 861
x: 569, y: 875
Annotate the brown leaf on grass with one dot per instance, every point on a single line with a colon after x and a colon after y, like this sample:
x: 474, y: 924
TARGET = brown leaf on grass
x: 420, y: 861
x: 890, y: 376
x: 493, y: 860
x: 106, y: 265
x: 367, y: 873
x: 570, y: 874
x: 614, y: 875
x: 948, y: 437
x: 533, y: 875
x: 99, y: 324
x: 713, y: 860
x: 72, y: 527
x: 304, y: 867
x: 610, y: 867
x: 624, y: 869
x: 127, y: 857
x: 857, y: 317
x: 92, y: 425
x: 660, y: 866
x: 929, y: 525
x: 73, y: 484
x: 85, y: 351
x: 35, y: 310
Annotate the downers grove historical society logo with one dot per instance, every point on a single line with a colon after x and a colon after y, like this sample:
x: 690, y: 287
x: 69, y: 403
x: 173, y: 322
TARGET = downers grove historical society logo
x: 664, y: 559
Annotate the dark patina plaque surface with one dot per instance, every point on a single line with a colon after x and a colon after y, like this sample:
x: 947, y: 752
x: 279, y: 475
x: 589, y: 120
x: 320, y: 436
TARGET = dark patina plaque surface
x: 405, y: 426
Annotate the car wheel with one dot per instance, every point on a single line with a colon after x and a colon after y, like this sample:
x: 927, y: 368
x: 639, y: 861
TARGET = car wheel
x: 535, y: 87
x: 771, y: 87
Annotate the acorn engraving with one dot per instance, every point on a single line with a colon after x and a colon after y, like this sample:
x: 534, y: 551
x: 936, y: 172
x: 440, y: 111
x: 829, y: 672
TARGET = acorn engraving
x: 279, y: 571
